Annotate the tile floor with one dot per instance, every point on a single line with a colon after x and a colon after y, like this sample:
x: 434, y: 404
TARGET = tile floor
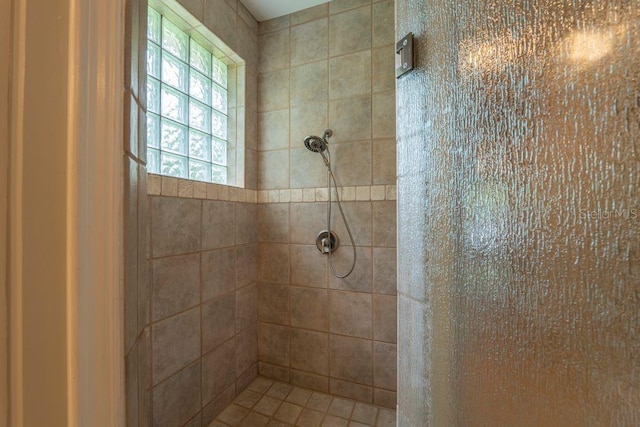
x: 272, y: 403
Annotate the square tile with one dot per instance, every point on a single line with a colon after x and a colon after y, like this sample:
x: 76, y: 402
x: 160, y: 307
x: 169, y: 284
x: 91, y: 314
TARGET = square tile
x: 248, y: 398
x: 310, y: 418
x: 267, y: 405
x: 233, y: 414
x: 341, y: 407
x: 364, y: 413
x: 319, y: 402
x: 279, y: 390
x: 299, y: 396
x: 288, y: 413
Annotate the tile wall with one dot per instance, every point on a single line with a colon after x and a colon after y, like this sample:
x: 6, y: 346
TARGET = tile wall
x: 186, y: 309
x: 330, y: 66
x: 203, y: 306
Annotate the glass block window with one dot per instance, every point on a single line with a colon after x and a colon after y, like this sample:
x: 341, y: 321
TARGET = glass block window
x: 187, y: 105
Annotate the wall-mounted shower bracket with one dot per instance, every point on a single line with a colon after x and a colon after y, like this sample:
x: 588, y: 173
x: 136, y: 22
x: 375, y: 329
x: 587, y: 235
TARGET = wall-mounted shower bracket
x: 324, y: 243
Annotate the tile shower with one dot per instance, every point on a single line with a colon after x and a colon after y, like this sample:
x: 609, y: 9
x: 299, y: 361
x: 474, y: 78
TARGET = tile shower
x: 228, y: 283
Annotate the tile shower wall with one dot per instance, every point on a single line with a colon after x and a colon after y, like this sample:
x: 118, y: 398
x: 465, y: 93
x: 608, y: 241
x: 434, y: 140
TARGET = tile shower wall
x: 186, y: 309
x: 203, y: 306
x: 330, y: 66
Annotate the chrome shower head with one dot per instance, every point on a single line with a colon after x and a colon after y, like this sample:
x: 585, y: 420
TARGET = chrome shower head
x: 317, y: 144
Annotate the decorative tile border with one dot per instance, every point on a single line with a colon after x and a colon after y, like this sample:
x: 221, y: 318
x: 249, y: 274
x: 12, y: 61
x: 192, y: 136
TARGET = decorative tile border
x: 158, y: 185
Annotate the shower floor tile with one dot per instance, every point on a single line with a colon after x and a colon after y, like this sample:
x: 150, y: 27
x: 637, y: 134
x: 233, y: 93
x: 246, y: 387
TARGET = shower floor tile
x: 273, y: 403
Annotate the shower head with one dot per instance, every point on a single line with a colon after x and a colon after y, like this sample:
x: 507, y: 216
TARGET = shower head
x: 317, y: 144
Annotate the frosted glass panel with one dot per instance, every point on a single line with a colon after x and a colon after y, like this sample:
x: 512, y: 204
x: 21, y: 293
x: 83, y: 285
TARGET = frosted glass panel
x: 199, y: 116
x: 153, y: 60
x: 186, y: 110
x: 175, y: 72
x: 174, y: 104
x: 153, y: 26
x: 219, y: 99
x: 219, y: 72
x: 174, y: 137
x: 173, y: 165
x: 174, y: 40
x: 519, y: 244
x: 200, y: 58
x: 200, y: 87
x: 219, y: 125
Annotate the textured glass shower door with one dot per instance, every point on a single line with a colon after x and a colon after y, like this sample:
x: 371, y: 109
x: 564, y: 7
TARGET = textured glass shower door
x: 519, y: 196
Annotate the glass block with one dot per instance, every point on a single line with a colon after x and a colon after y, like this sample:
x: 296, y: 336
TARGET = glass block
x: 153, y: 130
x: 200, y: 171
x: 175, y: 72
x: 200, y: 87
x: 199, y: 116
x: 174, y: 137
x: 219, y: 71
x: 153, y: 26
x: 219, y: 125
x: 218, y: 174
x: 153, y: 95
x: 219, y: 98
x: 175, y: 40
x: 200, y: 58
x: 199, y: 145
x: 219, y: 151
x: 153, y: 60
x: 153, y: 161
x: 174, y: 104
x: 173, y: 165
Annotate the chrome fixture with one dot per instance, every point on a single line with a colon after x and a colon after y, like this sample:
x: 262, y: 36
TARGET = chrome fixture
x: 327, y: 241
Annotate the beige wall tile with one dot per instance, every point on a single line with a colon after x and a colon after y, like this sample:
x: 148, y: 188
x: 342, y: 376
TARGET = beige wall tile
x: 175, y: 343
x: 273, y: 169
x: 350, y: 119
x: 383, y: 23
x: 308, y: 266
x: 247, y: 44
x: 385, y: 365
x: 384, y: 271
x: 359, y: 218
x: 218, y: 319
x: 274, y: 343
x: 222, y: 20
x: 307, y: 168
x: 246, y: 264
x: 309, y: 308
x: 274, y: 24
x: 273, y: 90
x: 177, y: 400
x: 176, y: 285
x: 246, y: 223
x: 384, y: 115
x: 273, y: 303
x: 385, y: 318
x: 307, y: 220
x: 175, y: 226
x: 351, y: 390
x: 383, y: 68
x: 384, y: 161
x: 310, y: 351
x: 273, y: 263
x: 350, y: 31
x: 337, y: 6
x: 310, y: 42
x: 276, y: 372
x: 308, y: 119
x: 218, y: 370
x: 246, y: 354
x: 361, y: 278
x: 218, y: 224
x: 273, y: 223
x: 247, y: 17
x: 350, y: 314
x: 384, y: 224
x: 273, y: 130
x: 351, y: 161
x: 350, y: 75
x: 310, y: 14
x: 309, y: 83
x: 310, y: 381
x: 273, y: 51
x: 246, y: 307
x: 351, y: 359
x: 213, y: 409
